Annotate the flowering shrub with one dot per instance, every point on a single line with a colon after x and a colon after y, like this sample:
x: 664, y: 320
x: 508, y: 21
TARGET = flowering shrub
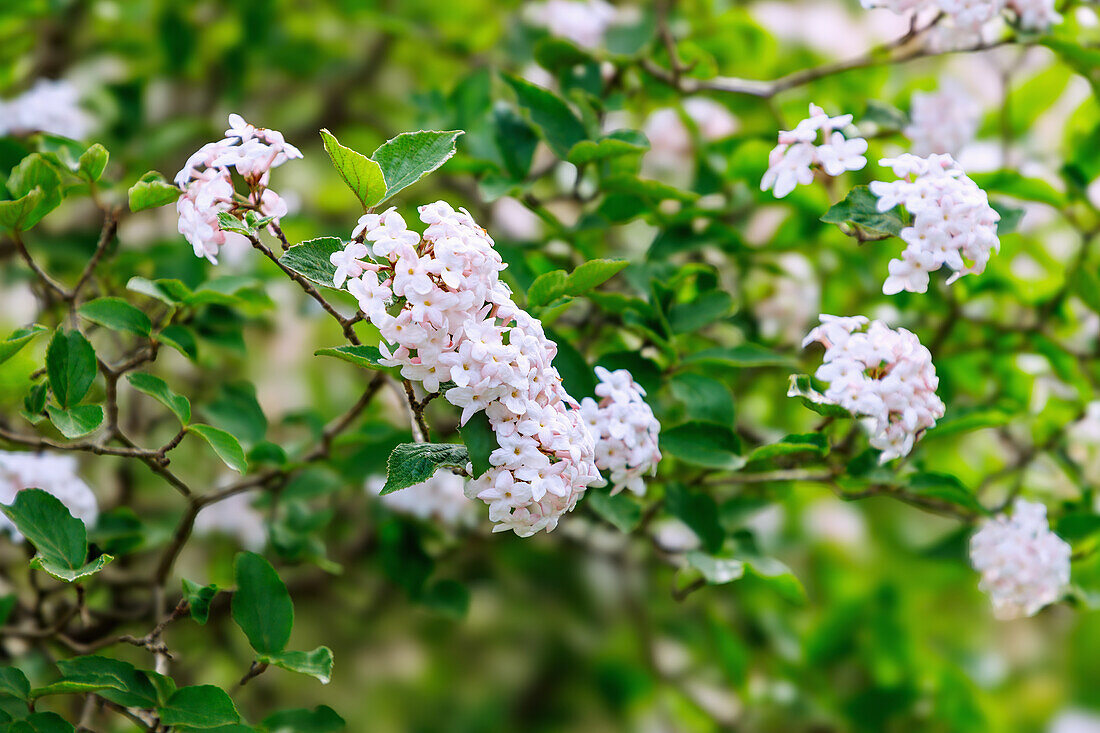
x: 512, y: 366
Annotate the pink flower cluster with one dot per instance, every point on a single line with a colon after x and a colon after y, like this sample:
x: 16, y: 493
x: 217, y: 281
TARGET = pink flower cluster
x: 625, y: 430
x: 439, y: 301
x: 953, y: 224
x: 791, y: 162
x: 208, y: 186
x: 882, y: 374
x: 1024, y: 566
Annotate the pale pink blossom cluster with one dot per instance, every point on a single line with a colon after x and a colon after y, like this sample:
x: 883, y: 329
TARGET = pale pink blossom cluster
x: 48, y: 106
x: 439, y: 301
x: 206, y: 180
x: 584, y: 22
x: 670, y: 140
x: 441, y: 498
x: 878, y: 373
x: 625, y: 430
x: 1024, y: 566
x: 792, y: 161
x: 970, y: 16
x: 943, y: 121
x: 953, y: 224
x: 54, y: 474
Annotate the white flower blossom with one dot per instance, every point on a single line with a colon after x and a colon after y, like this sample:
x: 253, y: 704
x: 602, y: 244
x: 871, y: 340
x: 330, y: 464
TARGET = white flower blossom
x: 48, y: 106
x: 584, y: 22
x: 969, y: 17
x: 952, y: 224
x: 670, y: 140
x: 1024, y: 566
x: 441, y: 498
x: 943, y: 121
x: 791, y: 162
x: 208, y: 186
x: 54, y: 474
x: 235, y: 517
x: 453, y: 320
x: 881, y: 374
x: 625, y: 430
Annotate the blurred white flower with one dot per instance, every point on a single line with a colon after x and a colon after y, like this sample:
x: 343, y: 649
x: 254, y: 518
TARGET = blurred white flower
x: 1075, y: 721
x: 794, y: 301
x: 234, y: 517
x: 514, y: 220
x: 584, y: 22
x: 441, y: 499
x: 54, y: 474
x: 48, y: 106
x: 835, y: 522
x: 943, y: 121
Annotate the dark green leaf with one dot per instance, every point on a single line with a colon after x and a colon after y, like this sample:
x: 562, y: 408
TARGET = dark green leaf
x: 199, y: 706
x: 71, y: 366
x: 17, y: 214
x: 13, y: 682
x: 620, y: 510
x: 699, y: 512
x: 944, y: 487
x: 76, y: 422
x: 198, y: 599
x: 860, y: 207
x: 60, y: 538
x: 414, y: 463
x: 480, y: 441
x: 310, y: 259
x: 704, y: 398
x: 317, y: 663
x: 559, y: 126
x: 322, y: 719
x: 261, y: 605
x: 225, y: 445
x: 704, y: 444
x: 112, y: 679
x: 117, y: 315
x: 158, y: 389
x: 744, y: 356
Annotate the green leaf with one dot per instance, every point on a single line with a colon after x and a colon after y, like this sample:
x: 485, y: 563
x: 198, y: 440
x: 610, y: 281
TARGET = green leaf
x: 1084, y: 60
x: 180, y: 338
x: 40, y: 723
x: 229, y: 223
x: 361, y: 174
x: 16, y: 214
x: 261, y: 606
x: 620, y: 510
x: 198, y: 599
x: 225, y: 445
x: 199, y: 706
x: 310, y: 259
x: 614, y: 145
x: 480, y: 440
x: 801, y: 386
x: 152, y: 191
x: 237, y: 411
x: 92, y: 163
x: 812, y: 445
x: 743, y: 356
x: 76, y: 422
x: 71, y: 366
x: 168, y: 291
x: 716, y: 570
x: 112, y: 679
x: 13, y: 682
x: 7, y: 605
x: 1013, y: 183
x: 17, y: 340
x: 35, y: 173
x: 776, y: 576
x: 321, y: 719
x: 555, y: 284
x: 704, y: 444
x: 704, y: 310
x: 117, y: 315
x: 413, y: 463
x: 60, y: 538
x: 557, y: 123
x: 886, y: 117
x: 410, y: 156
x: 944, y: 487
x: 317, y: 663
x: 704, y: 398
x: 699, y: 512
x: 158, y: 389
x: 860, y: 207
x: 361, y: 356
x: 1011, y: 216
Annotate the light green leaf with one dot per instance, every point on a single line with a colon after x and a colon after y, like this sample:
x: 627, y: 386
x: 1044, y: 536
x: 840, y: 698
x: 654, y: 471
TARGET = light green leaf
x: 16, y: 214
x: 198, y: 599
x: 152, y: 191
x: 716, y: 570
x: 811, y: 445
x: 321, y: 719
x: 1013, y: 183
x: 225, y: 445
x: 117, y: 315
x: 413, y: 463
x: 158, y: 389
x: 362, y: 175
x: 71, y: 366
x: 17, y: 340
x: 361, y: 356
x: 944, y: 487
x: 557, y: 123
x: 229, y: 223
x: 261, y: 605
x: 555, y: 284
x: 310, y: 259
x: 34, y: 173
x: 77, y: 421
x: 112, y: 679
x: 410, y: 156
x: 614, y: 145
x: 168, y: 291
x: 92, y: 163
x: 317, y: 663
x: 199, y: 706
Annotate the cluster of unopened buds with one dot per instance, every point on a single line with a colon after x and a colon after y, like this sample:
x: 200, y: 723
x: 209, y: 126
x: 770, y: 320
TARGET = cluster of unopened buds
x: 878, y: 373
x: 1024, y: 566
x: 625, y: 430
x: 970, y: 16
x: 54, y: 474
x: 207, y: 183
x: 449, y: 323
x: 792, y: 162
x: 953, y: 224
